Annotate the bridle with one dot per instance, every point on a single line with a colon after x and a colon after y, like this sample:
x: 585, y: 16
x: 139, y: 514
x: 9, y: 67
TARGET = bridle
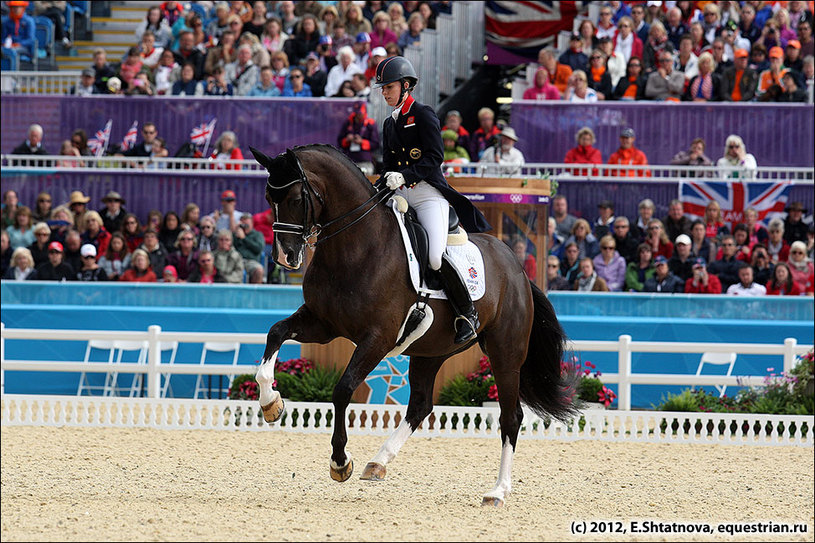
x: 316, y: 229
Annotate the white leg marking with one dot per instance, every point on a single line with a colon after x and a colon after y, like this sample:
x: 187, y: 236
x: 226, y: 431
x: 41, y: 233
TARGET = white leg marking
x: 503, y: 486
x: 391, y: 447
x: 265, y: 379
x: 334, y: 465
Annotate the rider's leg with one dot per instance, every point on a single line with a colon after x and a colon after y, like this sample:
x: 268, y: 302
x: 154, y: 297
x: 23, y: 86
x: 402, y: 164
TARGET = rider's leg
x: 433, y: 211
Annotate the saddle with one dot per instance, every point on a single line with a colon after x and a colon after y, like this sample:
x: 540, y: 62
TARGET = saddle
x: 417, y: 234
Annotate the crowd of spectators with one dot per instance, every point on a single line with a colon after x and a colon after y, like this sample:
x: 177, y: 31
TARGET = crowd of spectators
x: 297, y: 49
x: 682, y: 51
x: 675, y: 254
x: 69, y: 242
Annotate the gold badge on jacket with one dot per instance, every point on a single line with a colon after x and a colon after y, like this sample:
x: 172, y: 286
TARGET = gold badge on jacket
x: 415, y: 154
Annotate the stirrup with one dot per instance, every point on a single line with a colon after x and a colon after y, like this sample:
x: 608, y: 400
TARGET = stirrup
x: 466, y: 326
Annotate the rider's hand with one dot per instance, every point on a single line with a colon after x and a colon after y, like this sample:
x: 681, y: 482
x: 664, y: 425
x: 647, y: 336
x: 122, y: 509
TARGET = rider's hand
x: 394, y: 180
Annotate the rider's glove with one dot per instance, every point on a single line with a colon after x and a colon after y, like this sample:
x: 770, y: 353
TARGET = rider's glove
x: 394, y: 180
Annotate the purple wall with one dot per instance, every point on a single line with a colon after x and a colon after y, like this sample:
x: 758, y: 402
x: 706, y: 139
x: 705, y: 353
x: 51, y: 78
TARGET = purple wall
x: 269, y: 124
x: 776, y: 134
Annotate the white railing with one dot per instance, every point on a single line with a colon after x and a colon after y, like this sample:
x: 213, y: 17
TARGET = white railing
x: 38, y: 82
x: 559, y: 171
x: 444, y: 421
x: 154, y: 368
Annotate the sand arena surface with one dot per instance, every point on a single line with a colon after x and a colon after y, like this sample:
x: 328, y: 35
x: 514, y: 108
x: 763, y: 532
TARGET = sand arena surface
x: 97, y: 484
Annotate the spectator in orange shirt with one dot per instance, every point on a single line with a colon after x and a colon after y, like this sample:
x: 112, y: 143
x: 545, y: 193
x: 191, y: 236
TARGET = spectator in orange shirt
x: 558, y: 73
x: 628, y: 154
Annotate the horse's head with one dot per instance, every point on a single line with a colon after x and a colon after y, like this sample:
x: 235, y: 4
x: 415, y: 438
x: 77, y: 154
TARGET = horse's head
x: 294, y: 200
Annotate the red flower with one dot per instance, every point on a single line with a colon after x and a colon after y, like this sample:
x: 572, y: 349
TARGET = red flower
x: 492, y: 393
x: 606, y: 396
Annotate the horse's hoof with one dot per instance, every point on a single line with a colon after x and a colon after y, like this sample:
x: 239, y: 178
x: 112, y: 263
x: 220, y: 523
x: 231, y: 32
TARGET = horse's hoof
x: 272, y: 411
x: 342, y: 474
x: 492, y: 502
x: 373, y: 472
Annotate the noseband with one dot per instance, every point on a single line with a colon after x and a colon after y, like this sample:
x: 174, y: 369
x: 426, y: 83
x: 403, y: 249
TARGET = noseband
x: 316, y: 229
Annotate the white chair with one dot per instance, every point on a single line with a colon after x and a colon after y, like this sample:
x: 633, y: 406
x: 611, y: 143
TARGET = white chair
x: 165, y: 346
x: 84, y: 383
x: 121, y: 347
x: 215, y: 347
x: 718, y: 359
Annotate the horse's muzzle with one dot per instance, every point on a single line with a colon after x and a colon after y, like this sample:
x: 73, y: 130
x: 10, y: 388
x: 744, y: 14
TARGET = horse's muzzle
x: 290, y: 258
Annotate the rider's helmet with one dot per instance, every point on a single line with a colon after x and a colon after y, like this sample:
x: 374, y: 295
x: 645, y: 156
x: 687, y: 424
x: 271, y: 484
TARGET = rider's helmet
x: 395, y: 69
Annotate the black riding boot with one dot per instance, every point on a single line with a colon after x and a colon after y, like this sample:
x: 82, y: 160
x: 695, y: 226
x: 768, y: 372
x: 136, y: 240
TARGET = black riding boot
x: 467, y: 317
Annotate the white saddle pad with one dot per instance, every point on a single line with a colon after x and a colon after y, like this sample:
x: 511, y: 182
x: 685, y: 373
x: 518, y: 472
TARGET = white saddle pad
x: 467, y: 259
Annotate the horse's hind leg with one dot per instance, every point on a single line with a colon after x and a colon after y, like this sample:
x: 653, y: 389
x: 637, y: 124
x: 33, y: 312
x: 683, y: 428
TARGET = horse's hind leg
x: 506, y: 358
x: 422, y: 376
x: 302, y: 326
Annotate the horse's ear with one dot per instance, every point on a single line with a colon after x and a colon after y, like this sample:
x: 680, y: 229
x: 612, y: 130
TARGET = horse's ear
x: 262, y: 159
x: 292, y: 159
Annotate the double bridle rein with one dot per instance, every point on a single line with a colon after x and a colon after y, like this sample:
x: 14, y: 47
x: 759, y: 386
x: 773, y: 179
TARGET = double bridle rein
x: 316, y: 229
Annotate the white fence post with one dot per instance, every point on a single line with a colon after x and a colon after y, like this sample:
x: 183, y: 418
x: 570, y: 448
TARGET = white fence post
x: 624, y: 371
x: 789, y: 353
x: 153, y: 361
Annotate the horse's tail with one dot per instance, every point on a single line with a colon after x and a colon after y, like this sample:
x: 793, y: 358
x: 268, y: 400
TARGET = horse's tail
x: 547, y: 388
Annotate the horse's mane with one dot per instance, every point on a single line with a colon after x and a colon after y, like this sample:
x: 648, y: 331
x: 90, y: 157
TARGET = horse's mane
x: 340, y: 157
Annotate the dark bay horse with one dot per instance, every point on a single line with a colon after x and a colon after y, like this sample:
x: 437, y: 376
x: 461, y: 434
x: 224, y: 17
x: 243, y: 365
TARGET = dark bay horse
x: 357, y: 286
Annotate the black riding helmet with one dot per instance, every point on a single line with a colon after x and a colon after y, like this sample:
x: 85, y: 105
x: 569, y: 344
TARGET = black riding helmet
x: 395, y: 69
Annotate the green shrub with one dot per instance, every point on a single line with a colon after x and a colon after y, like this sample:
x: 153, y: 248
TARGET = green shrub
x: 316, y: 385
x: 589, y: 389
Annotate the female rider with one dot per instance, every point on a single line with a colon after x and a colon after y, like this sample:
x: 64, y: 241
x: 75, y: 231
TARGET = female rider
x: 412, y: 156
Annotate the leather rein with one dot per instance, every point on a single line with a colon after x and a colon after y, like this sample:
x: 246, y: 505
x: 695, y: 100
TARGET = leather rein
x: 316, y: 229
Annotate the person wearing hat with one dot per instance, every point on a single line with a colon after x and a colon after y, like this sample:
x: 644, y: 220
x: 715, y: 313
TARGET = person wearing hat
x: 78, y: 206
x: 228, y: 217
x: 681, y: 261
x: 731, y: 34
x: 605, y: 219
x: 792, y: 93
x: 792, y: 56
x: 629, y: 155
x: 315, y: 75
x: 90, y: 270
x: 19, y: 28
x: 55, y: 269
x: 773, y: 75
x: 453, y: 152
x: 574, y: 57
x: 378, y: 54
x: 701, y: 281
x: 412, y: 155
x: 505, y: 154
x: 663, y: 280
x: 86, y: 86
x: 739, y: 82
x: 113, y: 213
x: 795, y: 229
x: 169, y: 275
x: 359, y: 137
x: 362, y: 50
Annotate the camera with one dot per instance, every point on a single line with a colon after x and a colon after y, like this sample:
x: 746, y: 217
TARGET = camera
x: 244, y: 226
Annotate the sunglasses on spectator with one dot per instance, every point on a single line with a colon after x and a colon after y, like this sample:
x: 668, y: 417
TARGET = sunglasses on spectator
x: 796, y: 252
x: 597, y: 58
x: 666, y: 60
x: 148, y: 131
x: 293, y: 76
x: 653, y: 228
x: 206, y: 226
x: 734, y: 146
x: 205, y: 260
x: 620, y: 226
x: 608, y: 248
x: 86, y: 257
x: 187, y: 239
x: 624, y: 26
x: 130, y: 222
x: 43, y: 201
x: 728, y: 244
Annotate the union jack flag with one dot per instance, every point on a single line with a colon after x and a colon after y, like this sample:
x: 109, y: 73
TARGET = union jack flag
x: 99, y: 142
x: 202, y: 133
x: 769, y: 199
x: 524, y: 28
x: 130, y: 137
x: 473, y: 273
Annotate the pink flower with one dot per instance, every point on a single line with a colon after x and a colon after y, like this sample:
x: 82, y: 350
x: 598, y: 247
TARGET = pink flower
x: 606, y: 396
x: 492, y: 393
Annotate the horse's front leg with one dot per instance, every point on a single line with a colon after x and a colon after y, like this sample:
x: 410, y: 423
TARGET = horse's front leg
x: 302, y: 326
x: 422, y: 375
x: 365, y: 358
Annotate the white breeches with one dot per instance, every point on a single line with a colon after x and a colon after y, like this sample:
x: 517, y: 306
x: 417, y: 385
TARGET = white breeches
x: 433, y: 212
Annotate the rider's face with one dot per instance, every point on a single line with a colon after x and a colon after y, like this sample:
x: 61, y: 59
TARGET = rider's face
x: 390, y: 93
